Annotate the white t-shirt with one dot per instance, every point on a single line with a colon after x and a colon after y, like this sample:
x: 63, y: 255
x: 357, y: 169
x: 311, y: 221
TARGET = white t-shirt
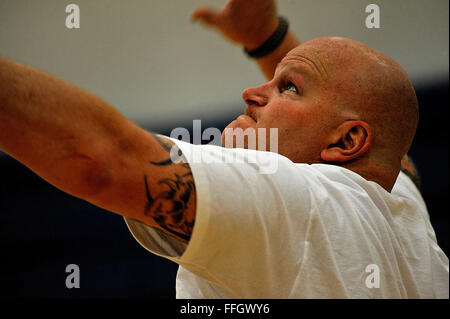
x: 301, y: 231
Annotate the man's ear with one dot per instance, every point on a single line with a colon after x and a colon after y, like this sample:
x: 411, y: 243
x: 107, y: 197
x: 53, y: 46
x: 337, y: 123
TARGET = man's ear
x: 351, y: 140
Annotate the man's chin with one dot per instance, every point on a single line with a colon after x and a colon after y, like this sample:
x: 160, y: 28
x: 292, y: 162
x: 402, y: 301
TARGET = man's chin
x: 240, y: 137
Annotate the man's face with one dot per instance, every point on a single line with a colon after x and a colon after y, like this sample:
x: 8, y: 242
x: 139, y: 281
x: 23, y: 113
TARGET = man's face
x: 299, y: 101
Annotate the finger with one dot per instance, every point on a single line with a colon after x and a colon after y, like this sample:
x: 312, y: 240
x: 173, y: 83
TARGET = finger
x: 205, y: 14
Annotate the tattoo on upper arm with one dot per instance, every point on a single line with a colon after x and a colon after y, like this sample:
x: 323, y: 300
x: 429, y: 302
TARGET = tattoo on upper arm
x: 169, y: 207
x: 167, y: 147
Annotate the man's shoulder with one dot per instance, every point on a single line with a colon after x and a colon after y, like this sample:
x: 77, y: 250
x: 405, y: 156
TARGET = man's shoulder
x: 339, y: 179
x: 338, y: 175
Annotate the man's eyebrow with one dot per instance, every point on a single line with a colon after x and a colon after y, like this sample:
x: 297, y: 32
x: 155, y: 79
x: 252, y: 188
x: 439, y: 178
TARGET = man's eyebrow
x: 300, y: 70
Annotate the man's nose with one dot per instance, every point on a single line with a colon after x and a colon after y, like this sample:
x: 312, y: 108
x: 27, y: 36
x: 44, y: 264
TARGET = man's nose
x: 256, y: 96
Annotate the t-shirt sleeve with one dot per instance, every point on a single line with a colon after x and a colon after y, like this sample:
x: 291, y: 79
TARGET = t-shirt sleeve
x: 251, y: 217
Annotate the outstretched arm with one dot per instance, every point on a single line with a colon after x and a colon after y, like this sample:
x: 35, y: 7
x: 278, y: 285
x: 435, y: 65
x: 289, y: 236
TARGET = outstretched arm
x: 83, y: 146
x: 249, y: 23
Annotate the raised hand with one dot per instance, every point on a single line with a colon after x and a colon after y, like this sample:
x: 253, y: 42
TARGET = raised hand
x: 246, y: 22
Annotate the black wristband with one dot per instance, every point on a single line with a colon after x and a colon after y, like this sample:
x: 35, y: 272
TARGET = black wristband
x: 273, y: 42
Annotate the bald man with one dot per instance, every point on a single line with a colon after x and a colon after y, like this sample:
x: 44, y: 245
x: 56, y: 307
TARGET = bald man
x: 336, y: 219
x: 336, y: 100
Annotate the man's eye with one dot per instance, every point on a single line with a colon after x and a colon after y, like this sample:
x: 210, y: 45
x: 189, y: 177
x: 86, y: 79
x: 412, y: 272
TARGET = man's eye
x: 290, y: 87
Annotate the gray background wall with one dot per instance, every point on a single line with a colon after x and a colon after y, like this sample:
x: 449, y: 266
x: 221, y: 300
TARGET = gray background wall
x: 147, y: 59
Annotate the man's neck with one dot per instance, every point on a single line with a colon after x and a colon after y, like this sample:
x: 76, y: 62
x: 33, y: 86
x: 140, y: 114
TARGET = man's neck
x: 384, y: 175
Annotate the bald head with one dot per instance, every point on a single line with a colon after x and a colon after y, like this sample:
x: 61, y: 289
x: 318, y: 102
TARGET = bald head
x: 370, y: 86
x: 338, y: 101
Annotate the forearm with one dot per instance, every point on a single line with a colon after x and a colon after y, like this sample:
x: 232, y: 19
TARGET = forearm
x: 54, y: 128
x: 269, y: 63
